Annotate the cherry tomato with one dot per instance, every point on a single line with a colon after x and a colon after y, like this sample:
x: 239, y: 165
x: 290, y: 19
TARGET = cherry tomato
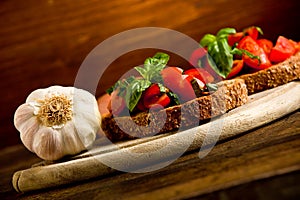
x: 234, y: 38
x: 236, y: 68
x: 178, y: 83
x: 117, y: 103
x: 158, y: 102
x: 265, y: 44
x: 197, y: 55
x: 250, y: 45
x: 200, y: 74
x: 171, y: 76
x: 103, y: 102
x: 282, y: 50
x: 153, y: 98
x: 140, y: 106
x: 252, y: 32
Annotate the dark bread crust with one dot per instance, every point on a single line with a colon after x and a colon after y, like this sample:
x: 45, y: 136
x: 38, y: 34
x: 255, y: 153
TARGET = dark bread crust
x: 230, y: 94
x: 274, y: 76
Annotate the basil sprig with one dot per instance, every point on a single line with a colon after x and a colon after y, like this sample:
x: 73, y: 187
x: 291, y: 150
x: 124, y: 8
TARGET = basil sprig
x: 131, y: 89
x: 220, y: 52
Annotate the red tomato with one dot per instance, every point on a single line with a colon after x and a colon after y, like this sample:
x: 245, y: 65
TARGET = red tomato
x: 171, y: 76
x: 196, y: 55
x: 252, y: 32
x: 207, y: 66
x: 178, y: 83
x: 140, y: 106
x: 158, y: 102
x: 103, y: 102
x: 117, y: 103
x: 234, y: 38
x: 249, y: 44
x: 236, y: 68
x: 265, y: 44
x: 200, y: 74
x: 153, y: 98
x: 282, y: 50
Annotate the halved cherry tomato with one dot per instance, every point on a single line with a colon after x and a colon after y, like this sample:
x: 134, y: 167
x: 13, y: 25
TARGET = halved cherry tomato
x: 197, y: 55
x: 234, y: 38
x: 200, y: 74
x: 153, y: 98
x: 117, y: 103
x: 236, y: 68
x: 157, y: 102
x: 282, y: 50
x: 171, y: 76
x: 252, y: 32
x: 265, y: 44
x: 178, y: 83
x: 250, y: 45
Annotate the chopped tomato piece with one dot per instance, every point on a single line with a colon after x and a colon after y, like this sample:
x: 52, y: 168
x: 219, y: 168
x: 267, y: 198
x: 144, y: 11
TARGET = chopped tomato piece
x: 250, y: 45
x: 282, y: 50
x: 252, y: 32
x: 234, y: 38
x: 171, y: 76
x: 157, y: 102
x: 200, y: 74
x: 265, y: 44
x: 197, y: 55
x: 153, y: 98
x: 103, y: 102
x: 236, y: 68
x: 117, y: 103
x: 178, y: 83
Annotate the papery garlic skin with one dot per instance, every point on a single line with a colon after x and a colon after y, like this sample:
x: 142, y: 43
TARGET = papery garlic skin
x: 58, y: 121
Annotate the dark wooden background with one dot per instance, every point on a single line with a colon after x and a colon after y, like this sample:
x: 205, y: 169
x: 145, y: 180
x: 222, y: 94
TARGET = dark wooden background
x: 43, y: 43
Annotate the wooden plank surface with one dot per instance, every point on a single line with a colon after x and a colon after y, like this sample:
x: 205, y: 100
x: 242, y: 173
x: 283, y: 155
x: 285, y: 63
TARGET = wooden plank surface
x: 270, y: 151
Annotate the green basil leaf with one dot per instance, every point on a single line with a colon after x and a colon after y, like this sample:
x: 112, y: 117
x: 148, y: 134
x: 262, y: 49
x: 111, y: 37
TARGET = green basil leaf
x: 240, y: 52
x: 224, y: 32
x: 207, y: 39
x: 110, y: 90
x: 212, y: 87
x: 162, y: 57
x: 220, y: 51
x: 174, y: 97
x: 259, y: 30
x: 153, y: 66
x: 134, y: 92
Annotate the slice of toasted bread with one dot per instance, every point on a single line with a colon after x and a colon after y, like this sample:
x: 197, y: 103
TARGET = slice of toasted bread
x: 230, y: 94
x: 273, y: 76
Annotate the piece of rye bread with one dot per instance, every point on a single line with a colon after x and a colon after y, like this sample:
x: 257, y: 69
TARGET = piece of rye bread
x: 278, y: 74
x: 230, y: 94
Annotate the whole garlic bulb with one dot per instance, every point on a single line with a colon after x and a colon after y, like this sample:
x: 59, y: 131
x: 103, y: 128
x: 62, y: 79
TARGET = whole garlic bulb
x: 58, y: 121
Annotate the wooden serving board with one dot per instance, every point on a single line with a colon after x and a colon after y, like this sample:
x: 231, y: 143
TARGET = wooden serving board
x: 148, y: 154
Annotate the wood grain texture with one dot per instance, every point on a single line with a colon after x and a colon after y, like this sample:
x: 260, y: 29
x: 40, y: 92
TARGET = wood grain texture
x: 158, y: 153
x: 249, y: 164
x: 44, y: 42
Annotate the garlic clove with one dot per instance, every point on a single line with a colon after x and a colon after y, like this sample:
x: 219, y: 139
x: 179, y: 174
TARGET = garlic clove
x: 72, y: 142
x: 29, y: 130
x: 47, y: 144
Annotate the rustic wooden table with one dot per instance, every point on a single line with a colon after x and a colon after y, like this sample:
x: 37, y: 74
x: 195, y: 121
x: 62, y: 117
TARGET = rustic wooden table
x: 260, y: 164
